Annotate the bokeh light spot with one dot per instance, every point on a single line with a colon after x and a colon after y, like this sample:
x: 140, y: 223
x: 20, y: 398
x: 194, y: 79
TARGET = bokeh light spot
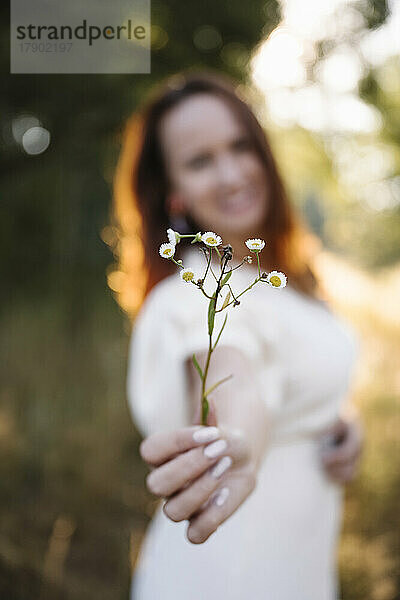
x: 207, y: 38
x: 35, y: 140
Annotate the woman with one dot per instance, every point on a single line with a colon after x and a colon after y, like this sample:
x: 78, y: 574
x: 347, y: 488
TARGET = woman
x: 250, y: 506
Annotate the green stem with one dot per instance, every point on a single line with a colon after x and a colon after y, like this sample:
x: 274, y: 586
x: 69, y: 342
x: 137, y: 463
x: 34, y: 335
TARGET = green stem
x: 210, y: 389
x: 204, y: 401
x: 179, y: 265
x: 221, y: 330
x: 258, y: 262
x: 208, y: 265
x: 237, y: 266
x: 214, y: 275
x: 204, y: 293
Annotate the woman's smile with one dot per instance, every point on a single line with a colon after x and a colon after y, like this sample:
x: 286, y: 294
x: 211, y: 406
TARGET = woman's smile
x: 238, y: 203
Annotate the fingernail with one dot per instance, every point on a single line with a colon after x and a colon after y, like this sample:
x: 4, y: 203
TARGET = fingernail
x: 206, y: 434
x: 222, y: 496
x: 221, y: 466
x: 212, y: 450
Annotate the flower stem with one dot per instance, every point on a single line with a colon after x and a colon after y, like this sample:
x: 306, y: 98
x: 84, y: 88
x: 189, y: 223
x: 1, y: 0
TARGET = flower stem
x: 204, y: 401
x: 213, y: 387
x: 179, y: 265
x: 204, y: 293
x: 208, y: 265
x: 258, y: 262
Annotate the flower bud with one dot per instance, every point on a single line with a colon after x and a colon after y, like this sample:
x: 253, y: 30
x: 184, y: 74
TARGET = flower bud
x: 227, y: 251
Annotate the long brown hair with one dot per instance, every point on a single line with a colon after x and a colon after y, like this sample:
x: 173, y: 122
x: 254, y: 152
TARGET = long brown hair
x: 141, y: 187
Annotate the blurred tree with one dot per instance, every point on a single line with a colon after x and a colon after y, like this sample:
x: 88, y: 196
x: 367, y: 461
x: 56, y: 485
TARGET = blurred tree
x: 55, y: 204
x: 372, y: 232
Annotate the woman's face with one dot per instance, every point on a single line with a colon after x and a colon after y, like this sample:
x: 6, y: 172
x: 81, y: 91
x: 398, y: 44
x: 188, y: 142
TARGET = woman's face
x: 213, y: 168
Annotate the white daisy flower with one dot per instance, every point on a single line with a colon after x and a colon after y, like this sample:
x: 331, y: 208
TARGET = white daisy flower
x: 277, y: 279
x: 211, y: 239
x: 188, y: 275
x: 167, y: 250
x: 173, y: 236
x: 255, y: 244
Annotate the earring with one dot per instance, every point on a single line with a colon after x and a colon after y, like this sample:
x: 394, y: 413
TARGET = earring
x: 176, y: 216
x: 179, y: 223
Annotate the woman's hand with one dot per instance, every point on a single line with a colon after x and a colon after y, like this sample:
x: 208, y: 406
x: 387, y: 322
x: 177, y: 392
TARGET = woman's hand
x: 341, y: 461
x: 200, y: 485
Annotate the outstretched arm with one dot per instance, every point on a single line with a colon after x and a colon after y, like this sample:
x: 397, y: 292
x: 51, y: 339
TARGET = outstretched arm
x: 206, y: 480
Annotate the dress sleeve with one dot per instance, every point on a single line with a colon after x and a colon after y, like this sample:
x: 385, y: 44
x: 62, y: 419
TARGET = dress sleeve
x: 154, y: 378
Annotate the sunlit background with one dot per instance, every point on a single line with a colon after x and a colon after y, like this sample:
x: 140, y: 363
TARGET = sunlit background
x: 330, y: 95
x: 323, y: 77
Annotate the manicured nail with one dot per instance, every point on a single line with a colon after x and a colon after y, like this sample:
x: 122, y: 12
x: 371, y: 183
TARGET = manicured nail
x: 221, y: 466
x: 216, y: 448
x: 222, y: 496
x: 206, y: 434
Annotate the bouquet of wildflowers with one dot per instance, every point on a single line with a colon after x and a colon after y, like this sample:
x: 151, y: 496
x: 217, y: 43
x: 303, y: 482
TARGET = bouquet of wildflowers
x: 211, y: 242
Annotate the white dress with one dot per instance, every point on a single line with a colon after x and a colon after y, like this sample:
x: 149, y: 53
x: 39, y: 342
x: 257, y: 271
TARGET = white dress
x: 281, y: 543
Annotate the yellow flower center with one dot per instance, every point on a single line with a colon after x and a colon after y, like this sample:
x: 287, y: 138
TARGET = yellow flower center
x: 167, y: 251
x: 187, y: 276
x: 256, y: 244
x: 211, y: 240
x: 275, y: 280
